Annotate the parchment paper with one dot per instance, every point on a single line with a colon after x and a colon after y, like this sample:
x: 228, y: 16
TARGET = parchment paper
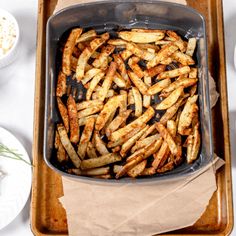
x: 137, y: 208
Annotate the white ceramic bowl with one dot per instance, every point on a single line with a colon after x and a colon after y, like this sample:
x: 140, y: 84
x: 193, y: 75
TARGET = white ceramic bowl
x: 11, y: 54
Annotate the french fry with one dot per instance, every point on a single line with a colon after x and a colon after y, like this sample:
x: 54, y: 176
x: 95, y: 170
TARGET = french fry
x: 91, y: 34
x: 86, y: 54
x: 102, y: 60
x: 101, y: 161
x: 89, y: 111
x: 185, y: 82
x: 150, y: 130
x: 141, y: 86
x: 189, y: 144
x: 171, y: 99
x: 126, y: 54
x: 83, y: 120
x: 196, y: 145
x: 166, y: 61
x: 148, y: 30
x: 137, y: 51
x: 90, y: 74
x: 99, y: 144
x: 165, y: 52
x: 108, y: 108
x: 159, y: 86
x: 182, y: 58
x: 161, y: 156
x: 138, y: 169
x: 107, y: 81
x: 85, y: 137
x: 117, y: 42
x: 144, y: 142
x: 141, y: 37
x: 155, y: 70
x: 167, y: 137
x: 192, y: 42
x: 123, y: 102
x: 96, y: 79
x: 144, y: 118
x: 116, y: 149
x: 119, y: 81
x: 115, y: 124
x: 133, y: 64
x: 91, y: 151
x: 73, y: 120
x: 148, y: 171
x: 122, y: 68
x: 147, y: 98
x: 130, y: 142
x: 177, y: 39
x: 130, y: 97
x: 193, y: 73
x: 162, y: 42
x: 85, y: 104
x: 171, y: 127
x: 64, y: 113
x: 174, y: 73
x: 68, y: 50
x: 110, y: 119
x: 116, y: 168
x: 61, y: 84
x: 138, y: 102
x: 68, y: 146
x: 187, y: 114
x: 91, y: 172
x: 167, y: 167
x: 61, y: 152
x: 110, y: 93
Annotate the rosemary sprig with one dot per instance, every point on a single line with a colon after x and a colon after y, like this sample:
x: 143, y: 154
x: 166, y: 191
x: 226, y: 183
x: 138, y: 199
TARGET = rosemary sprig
x: 11, y: 153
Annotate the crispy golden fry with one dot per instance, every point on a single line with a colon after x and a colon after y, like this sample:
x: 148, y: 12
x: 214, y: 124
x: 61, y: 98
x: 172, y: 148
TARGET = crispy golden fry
x: 144, y: 142
x: 193, y: 73
x: 185, y: 82
x: 117, y: 168
x: 133, y: 64
x: 182, y: 58
x: 86, y: 54
x: 138, y: 102
x: 196, y: 145
x: 130, y: 142
x: 166, y: 61
x: 189, y: 144
x: 177, y: 39
x: 117, y: 42
x: 141, y: 86
x: 130, y: 97
x: 148, y: 171
x: 102, y: 60
x: 187, y: 114
x: 162, y: 42
x: 155, y: 70
x: 89, y: 111
x: 85, y: 104
x: 147, y: 46
x: 100, y: 161
x: 68, y: 146
x: 122, y: 68
x: 161, y: 156
x: 96, y: 79
x: 95, y: 95
x: 167, y: 137
x: 99, y: 144
x: 147, y: 98
x: 150, y: 130
x: 144, y: 118
x: 165, y: 52
x: 90, y: 74
x: 68, y: 50
x: 171, y: 99
x: 91, y: 151
x: 137, y: 51
x: 159, y: 86
x: 178, y: 158
x: 73, y: 120
x: 138, y: 169
x: 174, y: 73
x: 167, y: 167
x: 61, y: 84
x: 126, y: 54
x: 119, y: 81
x: 85, y: 137
x: 107, y: 81
x: 141, y: 37
x: 64, y: 113
x: 91, y: 34
x: 83, y: 120
x: 192, y: 42
x: 123, y: 102
x: 123, y: 138
x: 108, y: 108
x: 115, y: 124
x: 171, y: 127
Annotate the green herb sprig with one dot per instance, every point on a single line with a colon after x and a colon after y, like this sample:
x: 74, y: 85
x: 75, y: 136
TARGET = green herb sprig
x: 11, y: 153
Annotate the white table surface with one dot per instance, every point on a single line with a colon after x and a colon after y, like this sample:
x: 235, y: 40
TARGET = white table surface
x: 17, y: 90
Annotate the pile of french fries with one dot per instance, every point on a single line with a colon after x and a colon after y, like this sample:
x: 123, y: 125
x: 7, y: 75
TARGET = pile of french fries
x: 139, y: 116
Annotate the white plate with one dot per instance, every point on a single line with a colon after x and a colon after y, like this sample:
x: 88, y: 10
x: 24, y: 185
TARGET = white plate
x: 15, y: 186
